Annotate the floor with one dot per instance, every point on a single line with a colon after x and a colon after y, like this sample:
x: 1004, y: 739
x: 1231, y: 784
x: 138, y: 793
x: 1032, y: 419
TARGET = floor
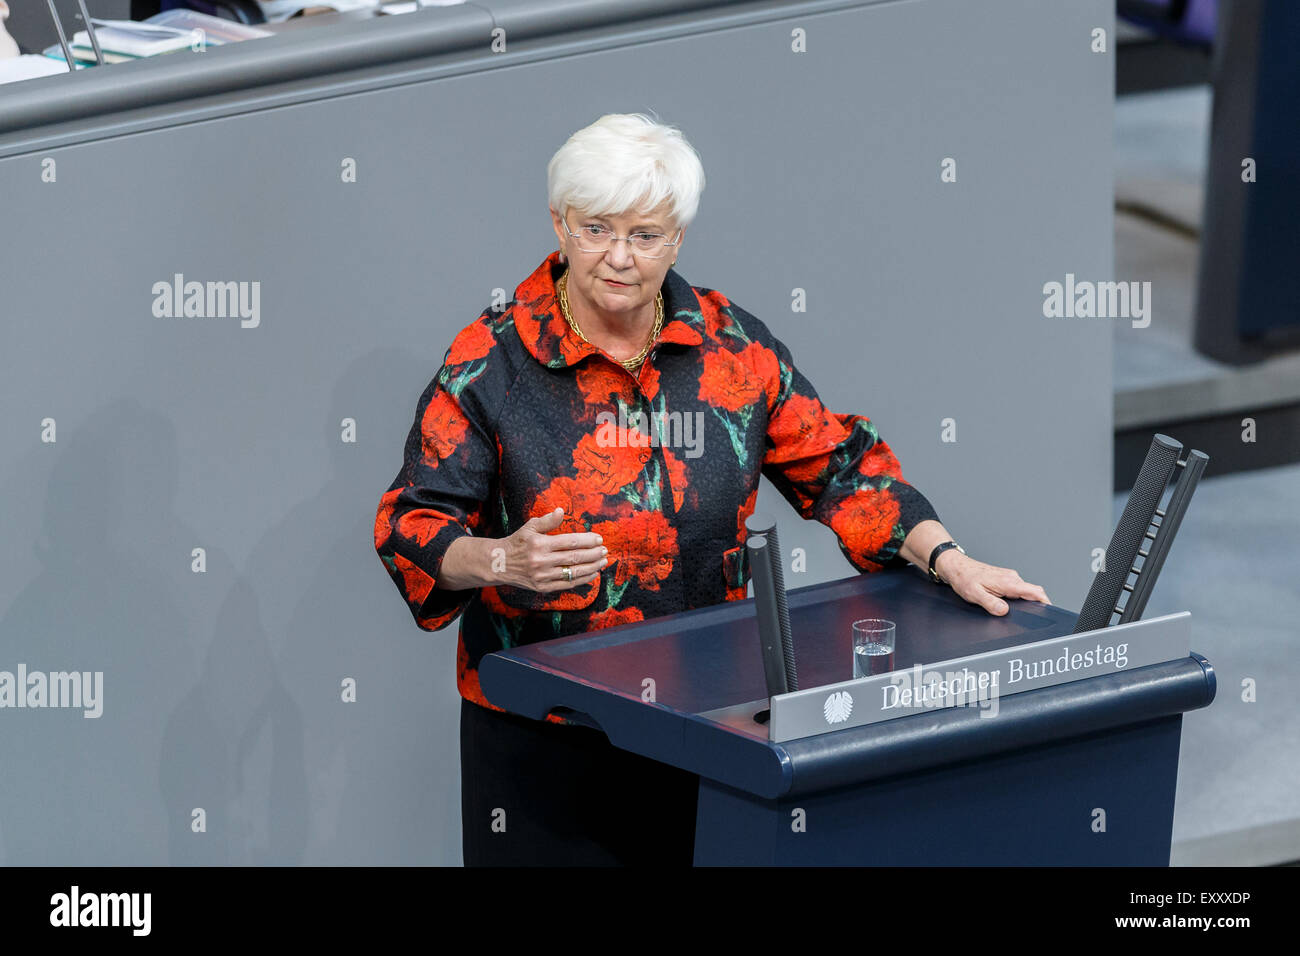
x: 1234, y: 564
x: 1161, y: 144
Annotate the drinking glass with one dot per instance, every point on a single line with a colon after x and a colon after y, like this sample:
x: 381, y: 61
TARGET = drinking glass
x: 873, y: 647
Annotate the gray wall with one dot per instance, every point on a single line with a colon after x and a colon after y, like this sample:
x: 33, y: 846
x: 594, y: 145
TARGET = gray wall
x: 222, y: 689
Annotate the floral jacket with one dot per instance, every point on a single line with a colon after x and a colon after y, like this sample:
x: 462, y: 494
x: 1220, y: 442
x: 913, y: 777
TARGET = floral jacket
x: 664, y: 464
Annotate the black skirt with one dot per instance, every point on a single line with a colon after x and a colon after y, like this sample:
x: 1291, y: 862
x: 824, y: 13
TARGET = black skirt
x: 534, y: 793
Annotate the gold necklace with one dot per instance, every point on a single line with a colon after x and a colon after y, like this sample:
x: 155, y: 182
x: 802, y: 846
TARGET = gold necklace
x: 562, y: 293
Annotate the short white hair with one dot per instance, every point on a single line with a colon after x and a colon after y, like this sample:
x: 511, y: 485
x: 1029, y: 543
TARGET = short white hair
x: 626, y: 162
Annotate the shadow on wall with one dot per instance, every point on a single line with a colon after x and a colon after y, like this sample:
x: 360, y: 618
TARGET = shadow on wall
x: 222, y: 690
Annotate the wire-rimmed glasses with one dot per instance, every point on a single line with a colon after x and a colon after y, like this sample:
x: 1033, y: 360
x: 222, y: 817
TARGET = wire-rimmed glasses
x: 595, y: 237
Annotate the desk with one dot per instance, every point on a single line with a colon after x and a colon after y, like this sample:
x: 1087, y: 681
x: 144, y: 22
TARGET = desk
x: 943, y: 787
x: 320, y: 20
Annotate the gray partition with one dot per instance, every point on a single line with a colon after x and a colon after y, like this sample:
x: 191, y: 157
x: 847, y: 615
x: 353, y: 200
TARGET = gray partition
x: 223, y: 690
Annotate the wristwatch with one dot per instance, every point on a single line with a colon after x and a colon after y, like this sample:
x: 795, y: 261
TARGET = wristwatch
x: 938, y: 550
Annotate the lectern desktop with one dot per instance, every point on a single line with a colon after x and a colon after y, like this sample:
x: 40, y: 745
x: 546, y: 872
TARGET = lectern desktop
x: 1038, y: 737
x: 1079, y: 772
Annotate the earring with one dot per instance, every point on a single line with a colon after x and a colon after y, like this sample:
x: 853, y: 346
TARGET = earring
x: 561, y: 255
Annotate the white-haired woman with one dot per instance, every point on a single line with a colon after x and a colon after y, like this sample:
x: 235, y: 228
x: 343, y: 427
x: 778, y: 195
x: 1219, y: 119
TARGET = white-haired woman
x: 532, y: 498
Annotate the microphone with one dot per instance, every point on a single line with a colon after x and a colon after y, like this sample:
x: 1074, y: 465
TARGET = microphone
x: 763, y: 551
x: 766, y: 527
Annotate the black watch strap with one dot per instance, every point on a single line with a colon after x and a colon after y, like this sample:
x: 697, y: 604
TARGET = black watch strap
x: 938, y: 550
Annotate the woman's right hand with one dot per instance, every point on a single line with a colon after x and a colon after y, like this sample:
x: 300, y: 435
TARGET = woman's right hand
x: 535, y: 558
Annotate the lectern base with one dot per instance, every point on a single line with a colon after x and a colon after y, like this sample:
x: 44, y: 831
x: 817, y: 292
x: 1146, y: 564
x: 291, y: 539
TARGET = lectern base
x: 1105, y: 799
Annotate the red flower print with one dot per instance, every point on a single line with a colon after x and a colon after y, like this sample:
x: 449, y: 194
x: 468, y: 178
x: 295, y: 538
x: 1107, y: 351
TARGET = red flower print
x: 715, y: 320
x: 806, y: 419
x: 467, y: 678
x: 443, y: 428
x: 607, y: 463
x: 649, y: 380
x: 880, y: 460
x: 573, y: 348
x: 743, y: 512
x: 805, y: 432
x: 474, y: 342
x: 421, y: 526
x: 491, y: 598
x: 384, y: 516
x: 597, y: 381
x: 530, y: 319
x: 764, y: 366
x: 676, y: 478
x: 512, y: 601
x: 612, y: 617
x: 728, y: 382
x: 865, y: 522
x: 416, y: 585
x: 573, y: 496
x: 640, y: 546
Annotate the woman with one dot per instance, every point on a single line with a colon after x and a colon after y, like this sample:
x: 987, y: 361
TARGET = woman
x: 586, y: 458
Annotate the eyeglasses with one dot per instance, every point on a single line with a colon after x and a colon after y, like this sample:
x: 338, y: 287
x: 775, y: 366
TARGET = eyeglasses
x: 593, y: 237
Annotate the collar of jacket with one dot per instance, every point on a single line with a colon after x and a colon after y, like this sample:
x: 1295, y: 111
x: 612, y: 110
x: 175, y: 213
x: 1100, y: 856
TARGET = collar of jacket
x: 545, y: 334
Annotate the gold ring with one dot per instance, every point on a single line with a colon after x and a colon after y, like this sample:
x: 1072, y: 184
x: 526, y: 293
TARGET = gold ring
x: 568, y: 573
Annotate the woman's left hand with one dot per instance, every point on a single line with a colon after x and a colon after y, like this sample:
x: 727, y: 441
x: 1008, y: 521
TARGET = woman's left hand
x: 985, y: 584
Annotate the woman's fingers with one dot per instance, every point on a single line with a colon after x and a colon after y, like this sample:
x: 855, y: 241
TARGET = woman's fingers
x: 584, y: 562
x: 1016, y: 587
x: 1033, y: 592
x: 987, y: 585
x: 990, y: 601
x: 577, y: 556
x: 583, y: 573
x: 981, y: 584
x: 572, y: 540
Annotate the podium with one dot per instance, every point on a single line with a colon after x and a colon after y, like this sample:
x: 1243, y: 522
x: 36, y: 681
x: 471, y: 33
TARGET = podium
x: 1078, y: 773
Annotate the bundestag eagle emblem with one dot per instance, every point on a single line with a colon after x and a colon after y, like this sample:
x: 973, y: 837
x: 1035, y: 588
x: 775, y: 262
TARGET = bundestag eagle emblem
x: 838, y: 706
